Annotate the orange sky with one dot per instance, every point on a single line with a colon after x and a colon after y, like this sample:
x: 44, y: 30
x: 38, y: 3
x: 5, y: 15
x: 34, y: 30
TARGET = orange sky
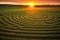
x: 27, y: 1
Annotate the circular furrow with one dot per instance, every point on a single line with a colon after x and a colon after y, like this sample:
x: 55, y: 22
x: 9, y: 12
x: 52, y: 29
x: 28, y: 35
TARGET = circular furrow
x: 33, y: 18
x: 54, y: 21
x: 4, y: 22
x: 29, y: 35
x: 12, y: 20
x: 26, y: 33
x: 29, y: 31
x: 29, y: 38
x: 30, y: 26
x: 44, y: 19
x: 9, y: 27
x: 16, y: 29
x: 42, y: 29
x: 37, y: 17
x: 36, y: 20
x: 8, y: 20
x: 21, y: 20
x: 29, y: 22
x: 18, y: 20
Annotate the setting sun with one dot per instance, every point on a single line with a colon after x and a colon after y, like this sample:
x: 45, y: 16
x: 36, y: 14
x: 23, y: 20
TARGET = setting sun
x: 31, y: 4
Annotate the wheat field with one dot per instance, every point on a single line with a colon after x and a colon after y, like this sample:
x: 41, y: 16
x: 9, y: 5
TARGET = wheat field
x: 19, y: 23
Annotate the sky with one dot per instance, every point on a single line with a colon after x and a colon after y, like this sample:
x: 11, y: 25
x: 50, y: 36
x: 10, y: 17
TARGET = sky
x: 27, y: 1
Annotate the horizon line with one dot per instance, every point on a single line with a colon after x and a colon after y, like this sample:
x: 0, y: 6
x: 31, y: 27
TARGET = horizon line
x: 13, y: 3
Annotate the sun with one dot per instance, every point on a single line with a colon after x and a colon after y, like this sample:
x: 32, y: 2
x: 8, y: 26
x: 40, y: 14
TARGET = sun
x: 31, y: 4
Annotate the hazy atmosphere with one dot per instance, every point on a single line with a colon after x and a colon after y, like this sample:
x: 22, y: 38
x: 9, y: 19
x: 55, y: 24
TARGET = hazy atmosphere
x: 35, y: 1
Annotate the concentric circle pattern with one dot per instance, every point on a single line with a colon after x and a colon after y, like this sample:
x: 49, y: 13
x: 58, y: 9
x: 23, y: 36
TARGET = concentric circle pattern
x: 38, y: 25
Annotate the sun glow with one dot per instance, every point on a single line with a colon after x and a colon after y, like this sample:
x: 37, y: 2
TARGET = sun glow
x: 31, y: 4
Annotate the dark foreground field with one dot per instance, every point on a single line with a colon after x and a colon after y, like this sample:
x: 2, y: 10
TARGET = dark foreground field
x: 37, y: 23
